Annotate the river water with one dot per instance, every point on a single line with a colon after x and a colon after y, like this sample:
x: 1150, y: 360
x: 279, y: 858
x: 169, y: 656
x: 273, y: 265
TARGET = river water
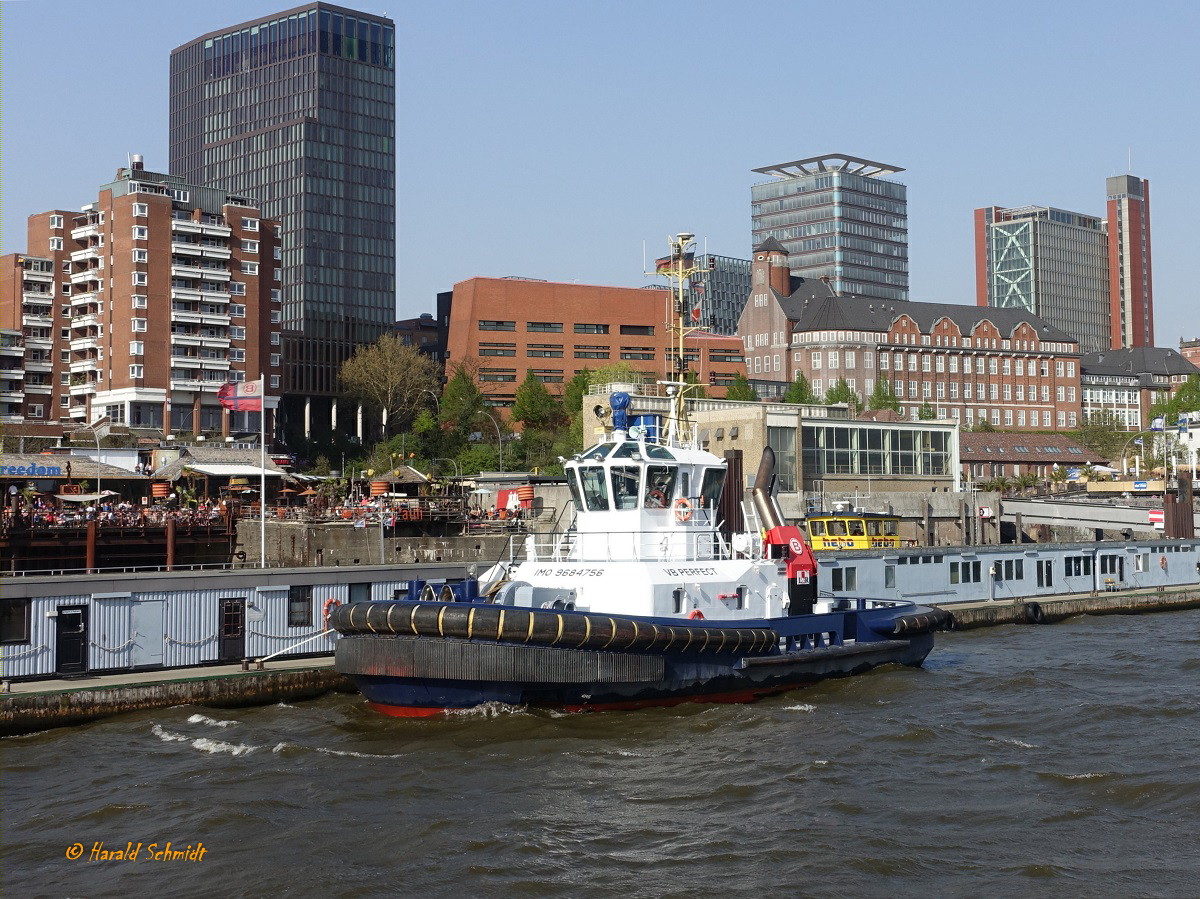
x: 1051, y: 761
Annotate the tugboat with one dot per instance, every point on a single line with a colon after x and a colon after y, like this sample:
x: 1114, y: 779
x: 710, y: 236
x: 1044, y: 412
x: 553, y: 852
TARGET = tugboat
x: 643, y: 601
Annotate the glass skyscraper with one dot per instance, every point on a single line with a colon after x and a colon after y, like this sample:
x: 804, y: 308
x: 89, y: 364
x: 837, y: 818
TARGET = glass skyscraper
x: 838, y: 218
x: 297, y: 109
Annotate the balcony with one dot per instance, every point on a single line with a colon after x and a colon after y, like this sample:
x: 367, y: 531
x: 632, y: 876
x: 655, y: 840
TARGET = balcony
x: 12, y: 350
x: 87, y: 320
x: 39, y: 388
x: 12, y: 374
x: 83, y: 232
x: 37, y: 321
x: 214, y: 252
x: 190, y: 249
x: 88, y: 274
x: 186, y: 339
x: 186, y: 315
x: 215, y: 342
x: 38, y: 297
x: 187, y: 226
x: 192, y: 295
x: 39, y: 343
x: 38, y: 277
x: 11, y: 419
x: 83, y: 365
x: 39, y: 365
x: 84, y: 299
x: 8, y: 395
x: 215, y: 364
x: 87, y: 254
x: 84, y: 344
x: 192, y: 384
x: 84, y: 389
x: 197, y: 271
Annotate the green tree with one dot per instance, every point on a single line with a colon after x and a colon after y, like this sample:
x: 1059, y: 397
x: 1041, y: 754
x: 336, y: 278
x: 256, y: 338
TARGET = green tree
x: 800, y: 392
x: 883, y: 397
x: 1185, y: 399
x: 740, y: 389
x: 390, y: 378
x: 841, y: 392
x: 574, y: 391
x: 462, y: 401
x: 982, y: 426
x: 926, y: 412
x: 534, y: 406
x: 1102, y: 433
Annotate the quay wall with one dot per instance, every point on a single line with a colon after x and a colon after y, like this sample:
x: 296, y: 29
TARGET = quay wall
x: 22, y: 713
x: 1049, y: 610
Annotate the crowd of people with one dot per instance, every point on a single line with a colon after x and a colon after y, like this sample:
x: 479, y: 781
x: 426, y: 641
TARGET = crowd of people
x: 43, y: 513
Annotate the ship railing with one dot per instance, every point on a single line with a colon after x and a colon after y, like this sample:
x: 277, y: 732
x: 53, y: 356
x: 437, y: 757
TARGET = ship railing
x: 683, y: 545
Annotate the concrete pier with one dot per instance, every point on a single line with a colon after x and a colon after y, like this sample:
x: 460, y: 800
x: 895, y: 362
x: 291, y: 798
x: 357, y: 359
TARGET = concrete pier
x: 40, y: 705
x: 1047, y: 610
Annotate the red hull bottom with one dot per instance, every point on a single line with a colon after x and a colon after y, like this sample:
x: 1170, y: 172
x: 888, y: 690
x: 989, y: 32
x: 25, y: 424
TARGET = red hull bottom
x: 741, y: 696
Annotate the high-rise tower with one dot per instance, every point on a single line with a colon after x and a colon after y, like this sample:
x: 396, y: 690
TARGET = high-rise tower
x: 1131, y: 286
x: 839, y: 218
x: 297, y: 109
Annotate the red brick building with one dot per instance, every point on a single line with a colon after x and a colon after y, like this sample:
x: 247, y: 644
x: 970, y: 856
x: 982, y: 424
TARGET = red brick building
x: 512, y: 326
x: 968, y: 363
x: 142, y: 305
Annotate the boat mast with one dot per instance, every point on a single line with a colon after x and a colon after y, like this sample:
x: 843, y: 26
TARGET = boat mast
x: 681, y: 267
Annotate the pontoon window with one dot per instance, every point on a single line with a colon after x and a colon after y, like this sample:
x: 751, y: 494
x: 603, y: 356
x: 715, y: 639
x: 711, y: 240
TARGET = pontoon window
x: 600, y: 449
x: 660, y: 482
x: 891, y: 527
x: 856, y: 527
x: 627, y: 450
x: 837, y: 528
x: 816, y: 528
x: 658, y: 452
x: 595, y: 488
x: 625, y: 485
x: 874, y: 527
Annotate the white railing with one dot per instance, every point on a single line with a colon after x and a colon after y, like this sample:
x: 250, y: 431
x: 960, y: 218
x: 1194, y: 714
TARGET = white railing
x: 682, y: 545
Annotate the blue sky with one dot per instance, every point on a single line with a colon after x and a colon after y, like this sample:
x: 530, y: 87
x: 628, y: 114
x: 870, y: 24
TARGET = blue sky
x: 555, y: 139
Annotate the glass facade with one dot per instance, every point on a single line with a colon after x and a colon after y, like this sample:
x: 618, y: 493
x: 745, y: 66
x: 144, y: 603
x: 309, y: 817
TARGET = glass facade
x: 298, y: 110
x: 718, y: 292
x: 848, y: 449
x: 1054, y: 264
x: 849, y: 227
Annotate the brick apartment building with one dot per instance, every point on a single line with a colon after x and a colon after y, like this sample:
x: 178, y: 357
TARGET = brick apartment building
x: 513, y: 326
x: 1003, y: 366
x: 141, y: 305
x: 1128, y: 383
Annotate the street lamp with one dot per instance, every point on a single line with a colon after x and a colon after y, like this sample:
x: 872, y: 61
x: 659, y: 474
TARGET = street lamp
x: 1136, y: 436
x: 452, y: 462
x: 437, y: 404
x: 499, y: 439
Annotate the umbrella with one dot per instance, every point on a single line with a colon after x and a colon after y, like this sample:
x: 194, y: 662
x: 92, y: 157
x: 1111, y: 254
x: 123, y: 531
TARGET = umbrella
x: 308, y: 492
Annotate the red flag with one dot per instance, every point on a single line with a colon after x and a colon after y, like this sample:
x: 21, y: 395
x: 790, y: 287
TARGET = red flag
x: 243, y: 396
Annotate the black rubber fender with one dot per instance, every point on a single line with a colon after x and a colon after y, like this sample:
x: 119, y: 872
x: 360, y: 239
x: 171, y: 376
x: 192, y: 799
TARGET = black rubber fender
x: 1034, y: 613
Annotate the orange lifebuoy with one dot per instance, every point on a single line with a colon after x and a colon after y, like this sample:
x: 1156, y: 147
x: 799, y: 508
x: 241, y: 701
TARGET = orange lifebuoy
x: 695, y: 614
x: 683, y: 510
x: 330, y: 605
x: 656, y: 499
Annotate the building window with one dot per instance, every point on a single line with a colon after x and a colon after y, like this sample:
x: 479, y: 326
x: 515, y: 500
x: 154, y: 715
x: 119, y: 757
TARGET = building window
x: 249, y: 268
x: 140, y: 279
x: 833, y: 359
x: 138, y: 324
x: 544, y: 351
x: 250, y: 246
x: 276, y: 360
x: 965, y: 572
x: 136, y: 371
x: 14, y: 620
x: 640, y: 330
x: 816, y: 361
x: 274, y: 382
x: 136, y: 348
x: 237, y: 332
x: 249, y: 224
x: 237, y: 355
x: 843, y: 579
x: 276, y: 338
x: 140, y: 210
x: 237, y: 310
x: 300, y: 606
x: 56, y: 243
x: 488, y: 325
x: 491, y: 348
x: 141, y: 256
x: 237, y: 289
x: 589, y: 328
x: 275, y: 317
x: 56, y: 221
x: 140, y: 232
x: 37, y: 411
x: 544, y: 326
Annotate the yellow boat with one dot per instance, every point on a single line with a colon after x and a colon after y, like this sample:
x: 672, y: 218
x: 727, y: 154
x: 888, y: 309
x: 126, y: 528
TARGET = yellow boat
x: 853, y: 530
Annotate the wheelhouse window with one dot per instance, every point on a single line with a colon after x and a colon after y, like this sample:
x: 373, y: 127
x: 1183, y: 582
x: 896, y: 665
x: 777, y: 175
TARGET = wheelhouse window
x: 710, y: 486
x: 625, y: 484
x: 660, y: 483
x: 594, y: 488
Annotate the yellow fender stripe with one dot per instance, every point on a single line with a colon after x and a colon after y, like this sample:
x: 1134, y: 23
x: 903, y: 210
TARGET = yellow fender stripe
x: 529, y: 634
x: 391, y: 627
x: 587, y: 630
x: 412, y: 621
x: 471, y: 624
x: 441, y: 614
x: 633, y: 639
x: 558, y: 636
x: 613, y: 624
x: 500, y: 625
